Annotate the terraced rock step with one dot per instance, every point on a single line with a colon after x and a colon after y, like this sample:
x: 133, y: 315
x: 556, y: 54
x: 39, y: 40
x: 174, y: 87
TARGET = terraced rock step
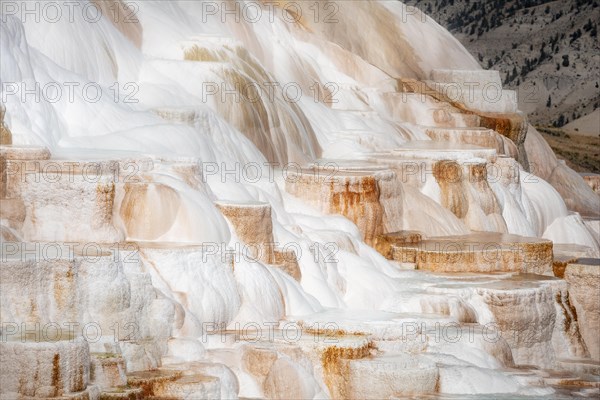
x: 253, y: 225
x: 61, y: 192
x: 483, y: 137
x: 108, y: 370
x: 482, y: 252
x: 37, y: 368
x: 44, y: 273
x: 328, y: 167
x: 12, y: 207
x: 152, y: 381
x: 583, y: 278
x: 68, y: 284
x: 494, y: 108
x: 401, y: 107
x: 430, y: 150
x: 287, y: 261
x: 5, y: 133
x: 565, y: 254
x: 182, y: 115
x: 285, y: 363
x: 417, y: 162
x: 384, y: 243
x: 479, y: 90
x: 358, y: 193
x: 530, y: 312
x: 413, y: 94
x: 459, y: 76
x: 459, y: 170
x: 560, y: 262
x: 580, y: 366
x: 23, y: 152
x: 121, y: 393
x: 91, y: 392
x: 204, y: 371
x: 189, y: 387
x: 450, y: 117
x: 511, y: 125
x: 53, y: 275
x: 395, y: 369
x: 189, y: 169
x: 465, y: 120
x: 577, y: 383
x: 385, y: 377
x: 377, y: 326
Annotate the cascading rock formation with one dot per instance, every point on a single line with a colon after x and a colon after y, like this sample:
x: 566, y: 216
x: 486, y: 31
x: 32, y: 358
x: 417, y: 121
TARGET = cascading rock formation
x: 281, y: 200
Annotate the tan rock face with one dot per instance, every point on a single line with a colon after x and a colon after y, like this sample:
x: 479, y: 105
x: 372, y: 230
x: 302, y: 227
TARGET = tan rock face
x: 482, y: 137
x: 190, y: 387
x: 510, y: 124
x: 505, y: 170
x: 287, y: 380
x: 59, y: 200
x: 152, y: 381
x: 191, y: 173
x: 461, y: 173
x: 258, y: 361
x: 514, y: 126
x: 335, y: 371
x: 448, y: 174
x: 12, y: 164
x: 148, y: 210
x: 47, y: 287
x: 43, y: 368
x: 452, y: 117
x: 559, y: 264
x: 466, y: 192
x: 385, y: 243
x: 288, y: 262
x: 358, y: 195
x: 254, y: 227
x: 387, y: 377
x: 583, y: 278
x: 14, y: 152
x: 530, y: 312
x: 7, y: 234
x: 107, y: 370
x: 527, y: 333
x: 67, y: 204
x: 5, y: 134
x: 13, y: 211
x: 478, y: 252
x: 49, y: 283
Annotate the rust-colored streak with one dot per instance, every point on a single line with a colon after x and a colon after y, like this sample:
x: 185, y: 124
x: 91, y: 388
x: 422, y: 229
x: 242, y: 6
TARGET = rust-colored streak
x: 56, y: 376
x: 359, y: 202
x: 335, y: 370
x: 448, y: 175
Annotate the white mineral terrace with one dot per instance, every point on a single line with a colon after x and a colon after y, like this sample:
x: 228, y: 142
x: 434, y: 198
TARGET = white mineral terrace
x: 281, y: 208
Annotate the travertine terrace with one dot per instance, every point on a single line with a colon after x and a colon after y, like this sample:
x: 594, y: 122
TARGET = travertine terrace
x: 301, y: 205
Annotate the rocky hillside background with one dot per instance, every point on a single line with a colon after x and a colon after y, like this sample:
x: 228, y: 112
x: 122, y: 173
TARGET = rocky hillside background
x: 547, y: 50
